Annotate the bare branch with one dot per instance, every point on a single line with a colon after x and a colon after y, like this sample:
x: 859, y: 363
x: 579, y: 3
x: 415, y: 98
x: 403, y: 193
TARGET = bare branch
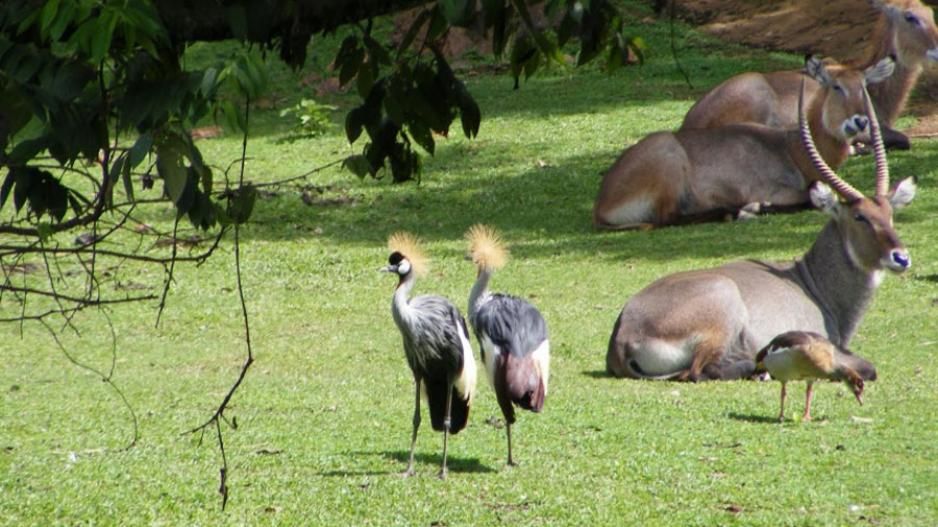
x: 219, y: 413
x: 105, y: 378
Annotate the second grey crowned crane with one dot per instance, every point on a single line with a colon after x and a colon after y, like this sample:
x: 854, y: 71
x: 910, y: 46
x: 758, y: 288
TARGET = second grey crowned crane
x: 512, y: 334
x: 436, y: 343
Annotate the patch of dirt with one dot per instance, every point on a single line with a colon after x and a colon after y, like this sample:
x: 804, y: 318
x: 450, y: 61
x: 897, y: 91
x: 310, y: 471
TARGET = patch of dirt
x: 835, y: 28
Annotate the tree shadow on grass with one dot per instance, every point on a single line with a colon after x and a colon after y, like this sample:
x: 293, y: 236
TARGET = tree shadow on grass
x: 541, y: 212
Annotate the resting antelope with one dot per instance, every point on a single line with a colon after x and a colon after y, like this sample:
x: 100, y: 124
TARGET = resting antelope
x: 905, y: 30
x: 695, y: 175
x: 709, y: 324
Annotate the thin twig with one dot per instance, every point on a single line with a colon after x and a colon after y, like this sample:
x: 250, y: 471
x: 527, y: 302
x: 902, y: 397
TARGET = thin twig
x: 105, y: 378
x: 300, y: 177
x: 219, y: 415
x: 169, y: 278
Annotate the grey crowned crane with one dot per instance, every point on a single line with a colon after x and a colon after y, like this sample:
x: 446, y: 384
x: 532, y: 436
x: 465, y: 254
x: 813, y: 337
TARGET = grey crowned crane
x: 436, y: 344
x: 512, y: 334
x: 796, y: 355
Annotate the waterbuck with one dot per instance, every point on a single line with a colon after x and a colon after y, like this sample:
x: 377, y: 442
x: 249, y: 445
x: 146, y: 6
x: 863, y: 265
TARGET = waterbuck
x: 905, y: 30
x: 698, y: 175
x: 709, y: 324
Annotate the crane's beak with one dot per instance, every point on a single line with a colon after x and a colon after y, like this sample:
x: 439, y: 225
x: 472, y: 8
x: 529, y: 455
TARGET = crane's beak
x: 388, y: 269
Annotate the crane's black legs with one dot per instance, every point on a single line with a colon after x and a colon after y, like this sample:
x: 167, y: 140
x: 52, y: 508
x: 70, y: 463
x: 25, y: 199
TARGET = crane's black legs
x: 511, y: 461
x: 781, y: 412
x: 413, y: 438
x: 447, y: 422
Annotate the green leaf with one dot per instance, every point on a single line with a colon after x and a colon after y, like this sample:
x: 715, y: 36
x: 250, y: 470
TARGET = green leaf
x: 234, y: 118
x: 351, y: 66
x: 50, y: 196
x: 7, y: 187
x: 64, y: 17
x: 209, y: 83
x: 412, y: 31
x: 104, y: 32
x: 205, y: 178
x: 469, y: 113
x: 28, y: 149
x: 202, y: 214
x: 457, y: 12
x: 377, y: 53
x: 366, y: 78
x: 45, y: 231
x: 47, y: 16
x: 241, y: 204
x: 354, y: 122
x: 117, y: 168
x: 74, y: 203
x: 140, y: 149
x: 21, y: 191
x: 422, y: 135
x: 127, y: 179
x: 169, y: 166
x: 437, y: 24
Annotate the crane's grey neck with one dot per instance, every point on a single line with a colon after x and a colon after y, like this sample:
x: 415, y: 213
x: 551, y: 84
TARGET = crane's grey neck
x: 837, y: 284
x: 480, y: 292
x: 400, y: 307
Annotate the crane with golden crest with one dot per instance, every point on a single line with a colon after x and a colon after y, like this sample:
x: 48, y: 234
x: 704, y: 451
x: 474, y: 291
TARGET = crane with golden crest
x: 436, y: 344
x: 512, y: 333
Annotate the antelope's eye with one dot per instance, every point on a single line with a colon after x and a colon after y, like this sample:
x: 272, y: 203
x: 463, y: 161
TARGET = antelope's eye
x: 839, y: 89
x: 912, y: 19
x: 861, y: 218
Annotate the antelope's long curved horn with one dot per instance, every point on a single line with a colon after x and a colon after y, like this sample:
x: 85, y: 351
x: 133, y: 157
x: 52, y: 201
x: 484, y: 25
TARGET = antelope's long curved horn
x: 879, y: 150
x: 846, y: 190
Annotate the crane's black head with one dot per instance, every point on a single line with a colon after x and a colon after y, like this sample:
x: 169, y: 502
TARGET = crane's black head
x: 399, y: 264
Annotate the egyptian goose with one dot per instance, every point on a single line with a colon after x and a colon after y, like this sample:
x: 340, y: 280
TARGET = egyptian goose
x: 797, y: 355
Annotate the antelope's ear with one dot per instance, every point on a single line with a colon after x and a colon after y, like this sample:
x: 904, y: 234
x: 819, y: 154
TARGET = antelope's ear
x: 816, y: 70
x: 880, y: 71
x: 904, y: 192
x: 823, y: 198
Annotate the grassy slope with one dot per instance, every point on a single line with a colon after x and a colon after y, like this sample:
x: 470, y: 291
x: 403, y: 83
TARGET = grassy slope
x: 325, y: 413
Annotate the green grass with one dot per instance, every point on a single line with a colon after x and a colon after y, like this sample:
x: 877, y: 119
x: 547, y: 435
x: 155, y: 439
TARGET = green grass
x: 324, y: 415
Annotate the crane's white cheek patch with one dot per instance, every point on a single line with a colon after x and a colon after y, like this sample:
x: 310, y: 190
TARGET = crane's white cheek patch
x: 541, y: 358
x: 491, y: 356
x: 466, y: 383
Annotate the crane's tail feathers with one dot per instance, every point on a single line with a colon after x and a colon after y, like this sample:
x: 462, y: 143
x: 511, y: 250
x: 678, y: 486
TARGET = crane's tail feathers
x: 533, y: 400
x: 409, y: 245
x: 436, y: 400
x: 486, y: 247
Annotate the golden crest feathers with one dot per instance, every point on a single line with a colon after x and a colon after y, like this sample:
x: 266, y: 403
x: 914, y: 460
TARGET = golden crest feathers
x: 486, y: 247
x: 409, y: 245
